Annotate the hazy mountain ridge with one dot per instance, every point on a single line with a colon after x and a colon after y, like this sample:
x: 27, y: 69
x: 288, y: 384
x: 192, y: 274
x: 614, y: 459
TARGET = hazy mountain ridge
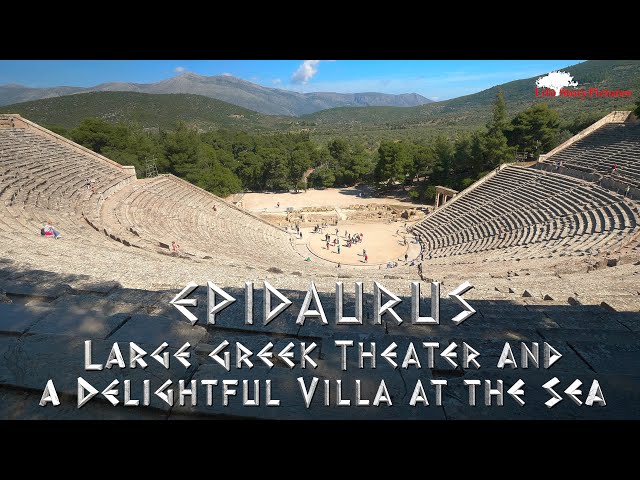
x: 270, y: 101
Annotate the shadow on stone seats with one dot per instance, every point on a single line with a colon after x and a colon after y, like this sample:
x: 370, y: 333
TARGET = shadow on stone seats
x: 43, y: 329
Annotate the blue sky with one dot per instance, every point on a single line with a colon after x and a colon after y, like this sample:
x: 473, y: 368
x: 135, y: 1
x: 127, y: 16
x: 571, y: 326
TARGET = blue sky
x: 435, y: 79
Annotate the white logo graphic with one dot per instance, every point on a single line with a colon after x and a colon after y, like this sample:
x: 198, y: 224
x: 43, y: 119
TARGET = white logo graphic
x: 556, y: 81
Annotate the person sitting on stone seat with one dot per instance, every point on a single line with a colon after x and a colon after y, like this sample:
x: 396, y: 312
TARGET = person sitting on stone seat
x: 49, y: 230
x: 175, y: 247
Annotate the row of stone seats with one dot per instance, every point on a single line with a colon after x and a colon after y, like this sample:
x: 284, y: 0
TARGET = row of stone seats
x: 524, y: 209
x: 50, y: 172
x: 612, y: 144
x: 44, y: 179
x: 164, y: 209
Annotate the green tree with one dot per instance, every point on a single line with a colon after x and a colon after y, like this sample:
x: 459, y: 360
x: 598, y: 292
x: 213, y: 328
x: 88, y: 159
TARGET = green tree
x: 415, y: 194
x: 496, y: 149
x: 583, y: 120
x: 301, y: 185
x: 463, y: 162
x: 220, y: 181
x: 181, y: 149
x: 208, y: 173
x: 338, y: 149
x: 430, y: 193
x: 275, y: 168
x: 93, y: 133
x: 59, y: 129
x: 535, y: 129
x: 322, y: 177
x: 423, y: 161
x: 299, y: 162
x: 250, y: 170
x: 444, y: 154
x: 360, y: 162
x: 394, y: 162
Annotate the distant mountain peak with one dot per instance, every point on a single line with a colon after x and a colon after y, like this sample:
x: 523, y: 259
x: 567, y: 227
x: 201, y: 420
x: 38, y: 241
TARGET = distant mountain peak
x: 190, y: 75
x: 230, y: 89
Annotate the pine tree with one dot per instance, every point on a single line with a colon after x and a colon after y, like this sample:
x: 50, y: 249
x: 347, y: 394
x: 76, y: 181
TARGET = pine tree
x: 495, y: 142
x: 498, y: 123
x: 535, y: 129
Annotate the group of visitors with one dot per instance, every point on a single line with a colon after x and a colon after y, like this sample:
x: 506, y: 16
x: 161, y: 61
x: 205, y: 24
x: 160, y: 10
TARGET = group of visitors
x: 353, y: 239
x: 393, y: 264
x: 319, y: 228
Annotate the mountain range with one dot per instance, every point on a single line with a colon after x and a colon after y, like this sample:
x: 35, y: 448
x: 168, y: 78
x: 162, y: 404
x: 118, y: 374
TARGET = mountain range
x: 270, y: 101
x: 371, y: 123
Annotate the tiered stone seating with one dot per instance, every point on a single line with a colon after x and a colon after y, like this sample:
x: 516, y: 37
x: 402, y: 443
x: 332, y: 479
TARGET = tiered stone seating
x: 528, y: 213
x: 164, y: 209
x: 44, y: 177
x: 56, y: 294
x: 612, y: 144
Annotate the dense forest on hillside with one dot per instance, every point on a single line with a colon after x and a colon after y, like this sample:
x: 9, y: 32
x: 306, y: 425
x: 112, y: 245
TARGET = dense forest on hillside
x: 149, y: 110
x: 227, y: 161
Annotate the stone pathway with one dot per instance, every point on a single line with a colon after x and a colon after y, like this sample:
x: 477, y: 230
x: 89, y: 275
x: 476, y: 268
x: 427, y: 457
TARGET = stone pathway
x: 341, y: 215
x: 42, y: 333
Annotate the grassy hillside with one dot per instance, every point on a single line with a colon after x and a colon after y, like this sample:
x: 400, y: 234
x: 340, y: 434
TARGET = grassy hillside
x: 473, y: 111
x: 159, y: 111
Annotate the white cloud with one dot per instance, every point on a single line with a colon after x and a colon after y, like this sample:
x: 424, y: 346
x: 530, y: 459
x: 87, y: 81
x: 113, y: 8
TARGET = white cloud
x: 442, y: 86
x: 226, y: 74
x: 179, y: 69
x: 305, y: 72
x: 276, y: 81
